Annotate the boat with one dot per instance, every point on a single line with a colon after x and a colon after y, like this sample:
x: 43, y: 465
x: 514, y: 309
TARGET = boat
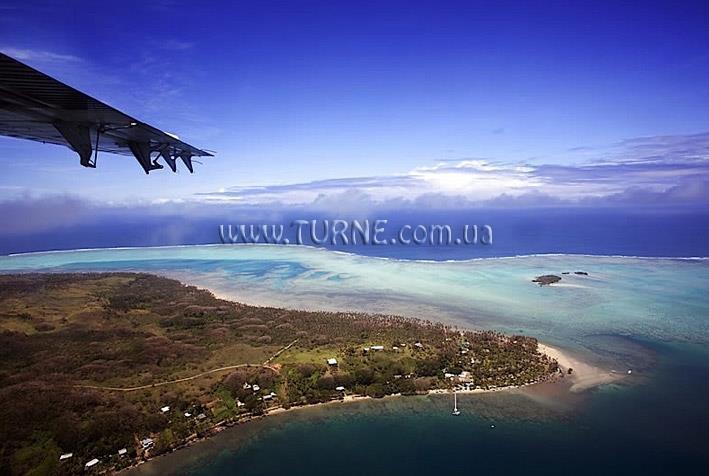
x: 456, y: 412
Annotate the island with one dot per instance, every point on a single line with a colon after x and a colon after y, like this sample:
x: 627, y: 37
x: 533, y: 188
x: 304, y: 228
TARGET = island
x: 546, y: 279
x: 100, y: 371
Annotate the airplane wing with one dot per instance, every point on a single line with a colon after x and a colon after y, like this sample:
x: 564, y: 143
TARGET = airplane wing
x: 37, y: 107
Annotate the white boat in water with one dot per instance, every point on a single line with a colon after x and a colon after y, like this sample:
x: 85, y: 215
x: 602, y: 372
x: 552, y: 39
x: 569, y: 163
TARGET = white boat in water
x: 456, y: 412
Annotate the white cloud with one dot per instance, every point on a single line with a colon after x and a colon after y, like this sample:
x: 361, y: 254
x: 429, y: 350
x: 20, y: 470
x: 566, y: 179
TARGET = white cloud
x: 39, y: 56
x: 636, y: 169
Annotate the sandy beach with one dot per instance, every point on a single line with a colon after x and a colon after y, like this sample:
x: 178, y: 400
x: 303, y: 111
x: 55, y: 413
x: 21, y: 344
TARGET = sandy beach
x: 584, y: 375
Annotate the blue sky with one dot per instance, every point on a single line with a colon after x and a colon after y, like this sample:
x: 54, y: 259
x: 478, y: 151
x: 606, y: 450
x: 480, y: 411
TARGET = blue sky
x: 508, y: 103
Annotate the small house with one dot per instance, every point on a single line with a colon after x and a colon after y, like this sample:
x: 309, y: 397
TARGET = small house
x: 165, y: 409
x: 340, y: 388
x: 65, y: 456
x: 377, y: 347
x: 332, y: 361
x: 147, y: 443
x: 91, y: 463
x: 122, y: 451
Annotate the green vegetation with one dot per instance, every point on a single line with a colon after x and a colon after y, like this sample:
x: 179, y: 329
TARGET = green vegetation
x: 61, y: 334
x: 547, y: 279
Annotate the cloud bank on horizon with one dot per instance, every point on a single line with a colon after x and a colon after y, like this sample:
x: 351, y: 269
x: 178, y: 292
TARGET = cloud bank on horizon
x: 653, y: 171
x: 669, y: 171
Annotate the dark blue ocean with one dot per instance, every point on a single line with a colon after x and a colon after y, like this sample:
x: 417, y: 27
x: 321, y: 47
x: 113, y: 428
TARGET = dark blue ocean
x: 515, y: 232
